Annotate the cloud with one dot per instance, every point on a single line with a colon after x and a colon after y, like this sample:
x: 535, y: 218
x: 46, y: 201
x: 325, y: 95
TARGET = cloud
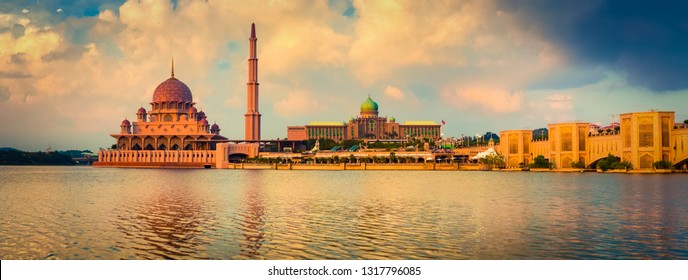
x: 14, y: 75
x: 299, y: 103
x: 394, y: 92
x: 491, y: 100
x: 646, y: 42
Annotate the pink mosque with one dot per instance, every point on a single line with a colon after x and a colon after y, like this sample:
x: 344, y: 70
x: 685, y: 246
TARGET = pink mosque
x: 173, y: 133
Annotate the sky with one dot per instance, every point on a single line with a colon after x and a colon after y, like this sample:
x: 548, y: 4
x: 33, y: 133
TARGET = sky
x: 71, y: 71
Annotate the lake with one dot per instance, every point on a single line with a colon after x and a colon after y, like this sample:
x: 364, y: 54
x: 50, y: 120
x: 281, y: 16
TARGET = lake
x: 108, y: 213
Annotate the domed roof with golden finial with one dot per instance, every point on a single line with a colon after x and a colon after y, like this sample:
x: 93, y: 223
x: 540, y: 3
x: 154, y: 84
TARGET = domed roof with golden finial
x: 369, y: 106
x: 126, y: 122
x: 172, y: 90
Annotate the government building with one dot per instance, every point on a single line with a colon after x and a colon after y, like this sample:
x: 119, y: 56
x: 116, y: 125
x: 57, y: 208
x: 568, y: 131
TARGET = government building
x: 367, y: 126
x: 641, y: 138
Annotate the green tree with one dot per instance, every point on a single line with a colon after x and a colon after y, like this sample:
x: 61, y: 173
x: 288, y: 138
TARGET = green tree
x: 493, y: 160
x: 540, y: 162
x: 577, y: 164
x: 662, y: 164
x: 613, y: 162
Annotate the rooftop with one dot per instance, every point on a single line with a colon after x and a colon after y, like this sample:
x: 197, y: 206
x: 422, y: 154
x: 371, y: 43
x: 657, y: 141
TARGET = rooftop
x: 325, y: 124
x: 420, y: 123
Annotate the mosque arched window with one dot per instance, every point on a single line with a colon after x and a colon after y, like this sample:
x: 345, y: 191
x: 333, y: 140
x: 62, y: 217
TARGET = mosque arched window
x: 167, y: 118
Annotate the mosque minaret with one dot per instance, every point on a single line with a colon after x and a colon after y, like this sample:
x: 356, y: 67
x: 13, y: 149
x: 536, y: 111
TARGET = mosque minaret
x: 252, y: 124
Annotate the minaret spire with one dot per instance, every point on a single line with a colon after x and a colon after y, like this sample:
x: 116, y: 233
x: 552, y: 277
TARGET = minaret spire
x: 252, y: 122
x: 173, y: 66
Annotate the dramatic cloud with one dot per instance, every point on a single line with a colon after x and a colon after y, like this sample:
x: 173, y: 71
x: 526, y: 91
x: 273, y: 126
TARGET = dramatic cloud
x: 649, y: 42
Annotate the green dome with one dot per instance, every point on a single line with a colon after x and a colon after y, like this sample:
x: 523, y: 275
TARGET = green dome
x: 392, y: 119
x: 369, y: 106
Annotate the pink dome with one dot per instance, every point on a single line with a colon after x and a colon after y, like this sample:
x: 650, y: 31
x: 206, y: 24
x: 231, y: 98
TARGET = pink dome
x: 201, y: 114
x: 204, y: 122
x: 215, y: 127
x: 192, y: 110
x: 141, y: 111
x: 126, y: 122
x: 172, y: 90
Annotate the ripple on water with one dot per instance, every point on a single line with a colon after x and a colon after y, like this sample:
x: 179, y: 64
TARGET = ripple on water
x: 86, y: 213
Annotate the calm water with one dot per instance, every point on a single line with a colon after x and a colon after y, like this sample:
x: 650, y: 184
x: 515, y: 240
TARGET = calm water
x: 89, y: 213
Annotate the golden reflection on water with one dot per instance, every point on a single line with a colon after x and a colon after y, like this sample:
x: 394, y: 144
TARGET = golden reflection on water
x: 250, y: 222
x: 86, y: 213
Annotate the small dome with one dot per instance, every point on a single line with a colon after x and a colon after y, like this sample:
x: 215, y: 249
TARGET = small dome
x: 126, y: 122
x: 201, y: 114
x: 369, y: 106
x: 204, y: 122
x: 192, y: 110
x: 172, y: 90
x: 392, y: 119
x: 215, y: 127
x: 351, y: 119
x: 141, y: 111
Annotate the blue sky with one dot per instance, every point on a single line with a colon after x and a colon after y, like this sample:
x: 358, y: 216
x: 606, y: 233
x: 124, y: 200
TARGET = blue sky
x: 70, y: 71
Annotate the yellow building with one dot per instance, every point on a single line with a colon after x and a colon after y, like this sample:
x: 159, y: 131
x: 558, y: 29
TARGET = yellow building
x: 568, y: 143
x: 641, y: 138
x: 515, y: 146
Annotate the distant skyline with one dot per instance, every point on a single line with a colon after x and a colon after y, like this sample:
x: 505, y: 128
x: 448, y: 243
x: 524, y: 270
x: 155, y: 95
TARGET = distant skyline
x: 71, y: 72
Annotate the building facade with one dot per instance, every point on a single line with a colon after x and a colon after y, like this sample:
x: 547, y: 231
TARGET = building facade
x: 641, y: 138
x: 367, y: 125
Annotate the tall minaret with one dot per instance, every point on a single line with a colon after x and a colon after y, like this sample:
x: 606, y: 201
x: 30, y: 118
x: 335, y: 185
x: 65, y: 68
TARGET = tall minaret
x: 252, y: 124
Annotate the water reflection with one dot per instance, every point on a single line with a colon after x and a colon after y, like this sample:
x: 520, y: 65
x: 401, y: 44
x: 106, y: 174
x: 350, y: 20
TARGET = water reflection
x: 250, y: 222
x: 86, y: 213
x: 169, y: 221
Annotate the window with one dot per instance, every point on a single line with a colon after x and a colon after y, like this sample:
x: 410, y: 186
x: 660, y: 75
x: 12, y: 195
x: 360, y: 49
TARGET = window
x: 626, y: 131
x: 665, y: 131
x: 513, y: 144
x: 168, y: 118
x: 566, y: 140
x: 645, y: 136
x: 581, y: 138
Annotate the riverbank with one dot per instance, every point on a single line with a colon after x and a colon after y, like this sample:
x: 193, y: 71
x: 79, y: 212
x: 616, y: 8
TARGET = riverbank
x: 426, y: 167
x: 354, y: 166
